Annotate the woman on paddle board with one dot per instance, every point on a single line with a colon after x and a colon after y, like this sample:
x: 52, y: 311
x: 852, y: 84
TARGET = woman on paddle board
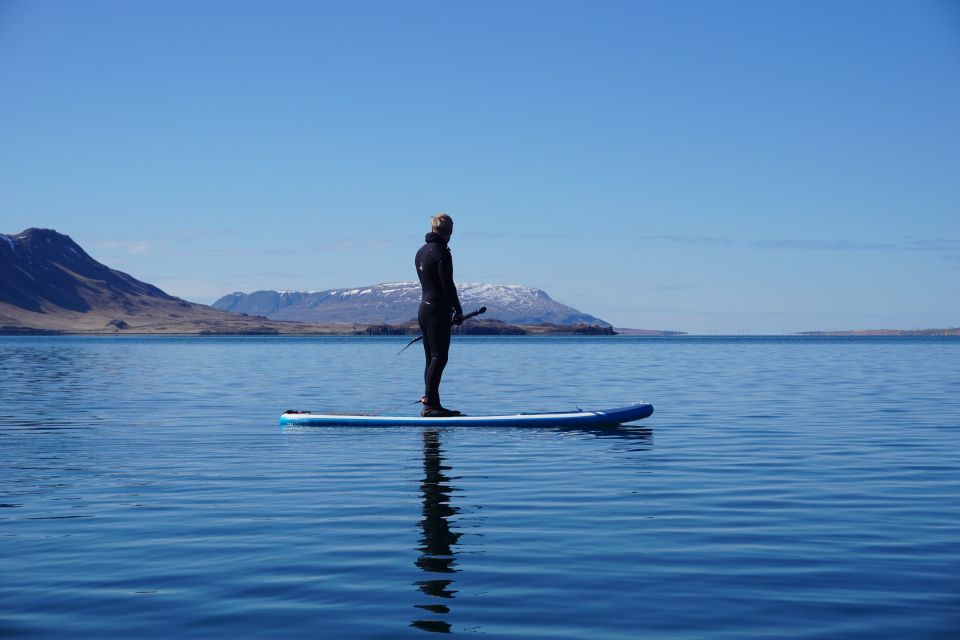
x: 439, y: 310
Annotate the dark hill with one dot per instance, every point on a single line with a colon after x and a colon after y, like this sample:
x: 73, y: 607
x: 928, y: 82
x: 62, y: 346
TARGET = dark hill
x: 49, y: 284
x: 41, y: 270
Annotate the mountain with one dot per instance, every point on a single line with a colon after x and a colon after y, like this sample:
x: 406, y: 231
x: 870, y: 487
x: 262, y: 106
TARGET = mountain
x: 41, y: 269
x: 398, y: 302
x: 49, y: 284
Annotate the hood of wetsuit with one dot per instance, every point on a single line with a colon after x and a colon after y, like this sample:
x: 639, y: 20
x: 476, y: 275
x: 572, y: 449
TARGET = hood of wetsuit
x: 434, y: 237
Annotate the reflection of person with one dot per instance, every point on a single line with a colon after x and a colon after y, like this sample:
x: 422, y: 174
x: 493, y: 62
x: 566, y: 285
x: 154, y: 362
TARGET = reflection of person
x: 437, y: 543
x: 439, y: 309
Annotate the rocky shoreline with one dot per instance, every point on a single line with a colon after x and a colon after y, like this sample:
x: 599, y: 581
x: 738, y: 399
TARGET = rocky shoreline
x: 251, y: 327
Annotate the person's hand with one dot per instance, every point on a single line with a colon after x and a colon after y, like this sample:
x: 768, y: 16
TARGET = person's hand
x: 458, y: 319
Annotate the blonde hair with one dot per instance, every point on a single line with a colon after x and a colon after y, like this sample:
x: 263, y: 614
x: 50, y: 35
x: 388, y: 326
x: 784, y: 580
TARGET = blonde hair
x: 441, y: 221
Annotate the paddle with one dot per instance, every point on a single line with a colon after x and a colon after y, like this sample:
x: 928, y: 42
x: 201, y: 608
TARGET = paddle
x: 465, y: 318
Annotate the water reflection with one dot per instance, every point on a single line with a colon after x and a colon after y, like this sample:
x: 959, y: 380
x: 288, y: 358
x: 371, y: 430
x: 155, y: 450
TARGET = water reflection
x: 438, y: 539
x: 622, y: 432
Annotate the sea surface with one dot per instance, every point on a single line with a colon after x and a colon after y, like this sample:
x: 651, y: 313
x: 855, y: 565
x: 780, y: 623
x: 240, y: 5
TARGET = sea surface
x: 784, y: 488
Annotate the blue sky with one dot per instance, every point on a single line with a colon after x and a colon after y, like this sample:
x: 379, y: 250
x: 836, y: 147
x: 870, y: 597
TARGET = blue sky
x: 711, y: 167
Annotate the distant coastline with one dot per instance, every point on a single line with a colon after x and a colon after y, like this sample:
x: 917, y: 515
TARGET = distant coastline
x: 955, y: 331
x: 340, y: 330
x: 246, y: 326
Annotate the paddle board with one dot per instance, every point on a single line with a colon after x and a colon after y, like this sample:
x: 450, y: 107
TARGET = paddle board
x: 578, y: 418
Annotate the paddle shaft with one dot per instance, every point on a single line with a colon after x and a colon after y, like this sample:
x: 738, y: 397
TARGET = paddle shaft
x: 465, y: 318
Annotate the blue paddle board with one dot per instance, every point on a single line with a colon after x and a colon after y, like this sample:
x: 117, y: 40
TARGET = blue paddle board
x: 578, y: 418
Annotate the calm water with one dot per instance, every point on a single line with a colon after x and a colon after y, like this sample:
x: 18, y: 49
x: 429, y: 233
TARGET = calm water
x: 784, y: 488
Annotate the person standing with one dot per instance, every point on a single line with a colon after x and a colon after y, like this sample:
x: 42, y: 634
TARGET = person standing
x: 439, y: 310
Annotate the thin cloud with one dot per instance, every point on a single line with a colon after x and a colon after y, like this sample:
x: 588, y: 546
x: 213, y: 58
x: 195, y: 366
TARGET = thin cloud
x: 706, y: 241
x: 813, y: 244
x: 362, y: 243
x: 168, y: 247
x: 938, y: 245
x: 130, y: 247
x: 154, y: 245
x: 953, y: 259
x: 159, y: 248
x: 666, y: 288
x: 931, y: 245
x: 497, y: 235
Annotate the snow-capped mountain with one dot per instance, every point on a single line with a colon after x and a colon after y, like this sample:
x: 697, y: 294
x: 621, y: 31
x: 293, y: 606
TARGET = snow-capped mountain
x: 398, y: 302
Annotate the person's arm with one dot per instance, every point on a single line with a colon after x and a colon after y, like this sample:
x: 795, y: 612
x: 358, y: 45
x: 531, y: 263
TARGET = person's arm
x: 449, y: 288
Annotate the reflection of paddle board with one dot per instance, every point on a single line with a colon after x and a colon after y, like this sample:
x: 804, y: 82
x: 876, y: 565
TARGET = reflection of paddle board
x: 602, y: 418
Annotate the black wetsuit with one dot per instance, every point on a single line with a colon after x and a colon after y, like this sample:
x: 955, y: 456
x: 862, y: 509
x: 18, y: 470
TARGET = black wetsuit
x: 438, y: 303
